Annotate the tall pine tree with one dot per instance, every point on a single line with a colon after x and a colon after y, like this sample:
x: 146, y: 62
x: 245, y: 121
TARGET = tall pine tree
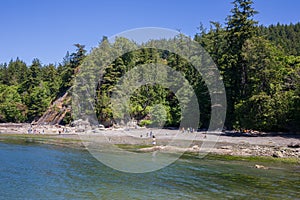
x: 240, y: 27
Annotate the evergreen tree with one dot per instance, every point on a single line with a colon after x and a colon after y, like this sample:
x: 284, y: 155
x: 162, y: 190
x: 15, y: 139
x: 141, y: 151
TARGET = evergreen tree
x: 33, y: 78
x: 16, y: 72
x: 283, y: 36
x: 71, y: 63
x: 51, y: 78
x: 240, y: 28
x: 266, y: 105
x: 12, y: 109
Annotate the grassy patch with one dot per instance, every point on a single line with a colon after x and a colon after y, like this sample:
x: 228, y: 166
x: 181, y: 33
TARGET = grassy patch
x: 31, y: 139
x: 132, y: 147
x: 210, y: 156
x: 261, y: 159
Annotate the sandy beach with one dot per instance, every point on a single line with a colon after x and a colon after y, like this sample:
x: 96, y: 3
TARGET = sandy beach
x: 281, y: 145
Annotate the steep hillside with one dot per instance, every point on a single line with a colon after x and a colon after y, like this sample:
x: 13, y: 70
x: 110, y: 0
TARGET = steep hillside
x: 56, y: 113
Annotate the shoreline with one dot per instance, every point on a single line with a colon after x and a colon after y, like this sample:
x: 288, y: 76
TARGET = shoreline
x: 227, y: 144
x: 73, y: 143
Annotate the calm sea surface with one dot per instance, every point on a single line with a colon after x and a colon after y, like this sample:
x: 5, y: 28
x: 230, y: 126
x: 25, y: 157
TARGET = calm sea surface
x: 49, y: 172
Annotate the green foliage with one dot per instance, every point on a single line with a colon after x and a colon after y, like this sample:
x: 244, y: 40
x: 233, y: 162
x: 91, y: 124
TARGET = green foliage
x: 16, y: 72
x: 263, y: 112
x: 103, y: 109
x: 158, y: 115
x: 67, y: 119
x: 260, y: 67
x: 240, y: 28
x: 284, y: 36
x: 146, y: 96
x: 11, y: 107
x: 51, y: 77
x: 38, y: 100
x: 270, y: 92
x: 71, y: 64
x: 145, y: 122
x: 27, y: 91
x: 261, y: 80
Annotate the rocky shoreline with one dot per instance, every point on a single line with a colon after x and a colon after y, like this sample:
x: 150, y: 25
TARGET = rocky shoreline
x: 234, y: 150
x: 268, y: 145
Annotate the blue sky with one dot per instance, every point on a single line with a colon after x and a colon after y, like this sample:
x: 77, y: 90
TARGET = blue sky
x: 47, y: 29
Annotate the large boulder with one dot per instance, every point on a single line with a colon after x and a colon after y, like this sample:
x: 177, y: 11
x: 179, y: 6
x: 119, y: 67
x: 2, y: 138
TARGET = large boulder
x: 79, y: 123
x: 277, y: 154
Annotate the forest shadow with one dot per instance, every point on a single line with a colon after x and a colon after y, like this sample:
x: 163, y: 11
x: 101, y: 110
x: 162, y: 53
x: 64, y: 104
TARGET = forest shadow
x: 295, y: 135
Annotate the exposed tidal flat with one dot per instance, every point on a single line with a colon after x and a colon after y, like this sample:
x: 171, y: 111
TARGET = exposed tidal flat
x: 273, y: 145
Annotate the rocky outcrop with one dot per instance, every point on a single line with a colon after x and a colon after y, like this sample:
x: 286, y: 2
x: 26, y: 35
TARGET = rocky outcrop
x: 56, y: 112
x: 277, y: 154
x: 257, y: 150
x: 173, y: 149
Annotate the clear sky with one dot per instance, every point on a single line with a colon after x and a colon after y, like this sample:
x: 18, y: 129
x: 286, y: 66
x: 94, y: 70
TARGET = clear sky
x: 47, y: 29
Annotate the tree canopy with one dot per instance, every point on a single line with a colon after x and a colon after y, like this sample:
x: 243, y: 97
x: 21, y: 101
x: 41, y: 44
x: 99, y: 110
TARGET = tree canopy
x: 260, y: 67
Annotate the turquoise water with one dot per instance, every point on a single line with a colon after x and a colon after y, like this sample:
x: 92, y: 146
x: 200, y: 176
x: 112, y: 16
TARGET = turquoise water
x: 49, y: 172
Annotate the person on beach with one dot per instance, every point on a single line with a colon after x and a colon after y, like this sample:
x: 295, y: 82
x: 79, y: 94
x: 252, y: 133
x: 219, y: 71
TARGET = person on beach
x: 153, y: 140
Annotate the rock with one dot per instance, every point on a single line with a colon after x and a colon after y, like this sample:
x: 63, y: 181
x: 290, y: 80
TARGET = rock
x: 297, y: 145
x: 196, y: 147
x: 151, y: 149
x: 80, y: 122
x: 261, y: 167
x: 56, y: 112
x: 277, y: 154
x: 79, y: 130
x: 225, y: 147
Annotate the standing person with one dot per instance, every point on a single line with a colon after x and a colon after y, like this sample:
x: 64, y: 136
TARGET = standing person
x: 153, y: 140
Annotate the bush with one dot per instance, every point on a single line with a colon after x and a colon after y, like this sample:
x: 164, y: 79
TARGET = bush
x: 145, y: 122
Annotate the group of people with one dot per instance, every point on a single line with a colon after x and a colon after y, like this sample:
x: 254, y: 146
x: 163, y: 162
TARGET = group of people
x: 151, y: 135
x: 64, y: 130
x: 188, y: 130
x: 31, y: 130
x: 41, y: 130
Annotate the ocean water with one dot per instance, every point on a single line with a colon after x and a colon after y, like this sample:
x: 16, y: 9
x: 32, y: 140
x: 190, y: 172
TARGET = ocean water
x: 50, y: 172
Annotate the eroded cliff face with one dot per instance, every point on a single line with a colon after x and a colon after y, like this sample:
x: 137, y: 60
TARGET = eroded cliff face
x: 57, y: 111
